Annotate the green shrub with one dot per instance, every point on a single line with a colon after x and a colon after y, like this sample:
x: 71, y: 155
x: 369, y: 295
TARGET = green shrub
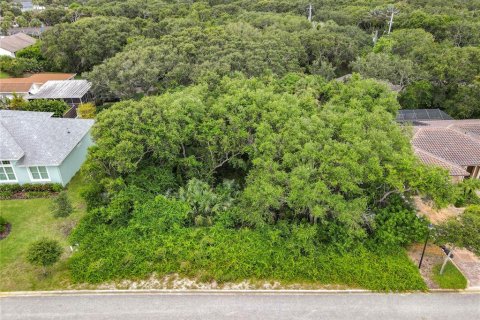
x: 43, y: 105
x: 156, y: 239
x: 206, y: 202
x: 5, y: 195
x: 397, y: 225
x: 44, y: 253
x: 11, y: 187
x: 3, y: 224
x: 94, y: 195
x: 465, y: 192
x: 463, y: 231
x: 37, y: 194
x: 87, y: 111
x: 32, y: 190
x: 18, y: 66
x: 153, y: 179
x: 61, y: 206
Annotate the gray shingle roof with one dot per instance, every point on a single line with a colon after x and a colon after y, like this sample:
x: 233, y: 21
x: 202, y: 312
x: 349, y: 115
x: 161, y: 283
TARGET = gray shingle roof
x: 24, y: 114
x: 9, y: 149
x: 45, y: 141
x: 16, y: 42
x: 62, y: 89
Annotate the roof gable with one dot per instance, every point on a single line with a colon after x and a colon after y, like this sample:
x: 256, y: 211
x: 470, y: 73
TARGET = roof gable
x: 9, y: 148
x: 62, y: 89
x: 454, y: 141
x: 23, y: 85
x: 431, y: 159
x: 16, y: 42
x: 44, y: 140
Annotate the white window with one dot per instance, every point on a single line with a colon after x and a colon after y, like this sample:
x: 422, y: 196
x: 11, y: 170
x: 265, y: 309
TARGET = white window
x: 39, y: 173
x: 6, y: 172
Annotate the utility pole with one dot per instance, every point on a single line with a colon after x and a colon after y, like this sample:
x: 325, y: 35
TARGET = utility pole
x: 392, y: 12
x: 310, y: 9
x: 375, y: 37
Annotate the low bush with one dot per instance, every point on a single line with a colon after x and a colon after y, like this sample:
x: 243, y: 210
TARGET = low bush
x: 3, y: 224
x: 463, y: 231
x: 31, y: 190
x: 42, y: 105
x: 87, y: 110
x: 44, y: 253
x: 155, y: 237
x: 11, y: 188
x: 465, y: 193
x: 398, y: 225
x: 61, y: 205
x: 37, y: 194
x: 5, y: 195
x: 18, y: 66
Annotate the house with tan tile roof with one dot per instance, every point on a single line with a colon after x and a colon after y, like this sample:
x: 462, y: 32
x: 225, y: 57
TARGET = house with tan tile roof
x: 451, y: 144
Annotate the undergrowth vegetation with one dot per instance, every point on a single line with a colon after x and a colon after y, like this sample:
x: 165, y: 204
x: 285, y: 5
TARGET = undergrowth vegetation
x: 156, y: 239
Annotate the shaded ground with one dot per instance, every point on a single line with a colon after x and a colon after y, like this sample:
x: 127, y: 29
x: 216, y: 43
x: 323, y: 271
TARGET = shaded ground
x: 6, y: 231
x: 436, y: 216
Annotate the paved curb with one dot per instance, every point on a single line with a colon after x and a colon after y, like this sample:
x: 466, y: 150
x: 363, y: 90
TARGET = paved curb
x: 220, y: 292
x: 178, y: 291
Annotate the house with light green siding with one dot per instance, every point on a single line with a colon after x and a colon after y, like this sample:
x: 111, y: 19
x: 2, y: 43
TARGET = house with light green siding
x: 35, y: 147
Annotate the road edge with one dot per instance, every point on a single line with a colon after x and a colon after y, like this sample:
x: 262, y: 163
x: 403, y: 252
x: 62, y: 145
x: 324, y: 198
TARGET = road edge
x: 217, y: 292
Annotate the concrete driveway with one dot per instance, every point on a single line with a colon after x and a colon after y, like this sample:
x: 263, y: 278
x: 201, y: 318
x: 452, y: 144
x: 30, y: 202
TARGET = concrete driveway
x: 469, y: 264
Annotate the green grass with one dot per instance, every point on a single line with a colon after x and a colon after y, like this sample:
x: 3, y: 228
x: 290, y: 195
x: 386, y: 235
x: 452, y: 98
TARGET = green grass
x: 31, y: 220
x: 451, y: 278
x: 4, y: 75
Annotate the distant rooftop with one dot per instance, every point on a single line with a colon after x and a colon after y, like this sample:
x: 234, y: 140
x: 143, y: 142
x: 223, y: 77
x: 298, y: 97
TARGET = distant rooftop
x: 421, y: 114
x: 31, y: 31
x: 62, y: 90
x: 23, y: 85
x: 35, y: 138
x: 16, y: 42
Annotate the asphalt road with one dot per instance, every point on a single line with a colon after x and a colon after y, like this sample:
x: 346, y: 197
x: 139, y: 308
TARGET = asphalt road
x: 458, y: 306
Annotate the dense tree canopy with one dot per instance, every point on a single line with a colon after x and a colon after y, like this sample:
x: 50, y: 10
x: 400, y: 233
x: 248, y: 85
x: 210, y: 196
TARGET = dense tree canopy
x: 301, y: 148
x: 181, y: 58
x: 183, y: 43
x: 79, y: 46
